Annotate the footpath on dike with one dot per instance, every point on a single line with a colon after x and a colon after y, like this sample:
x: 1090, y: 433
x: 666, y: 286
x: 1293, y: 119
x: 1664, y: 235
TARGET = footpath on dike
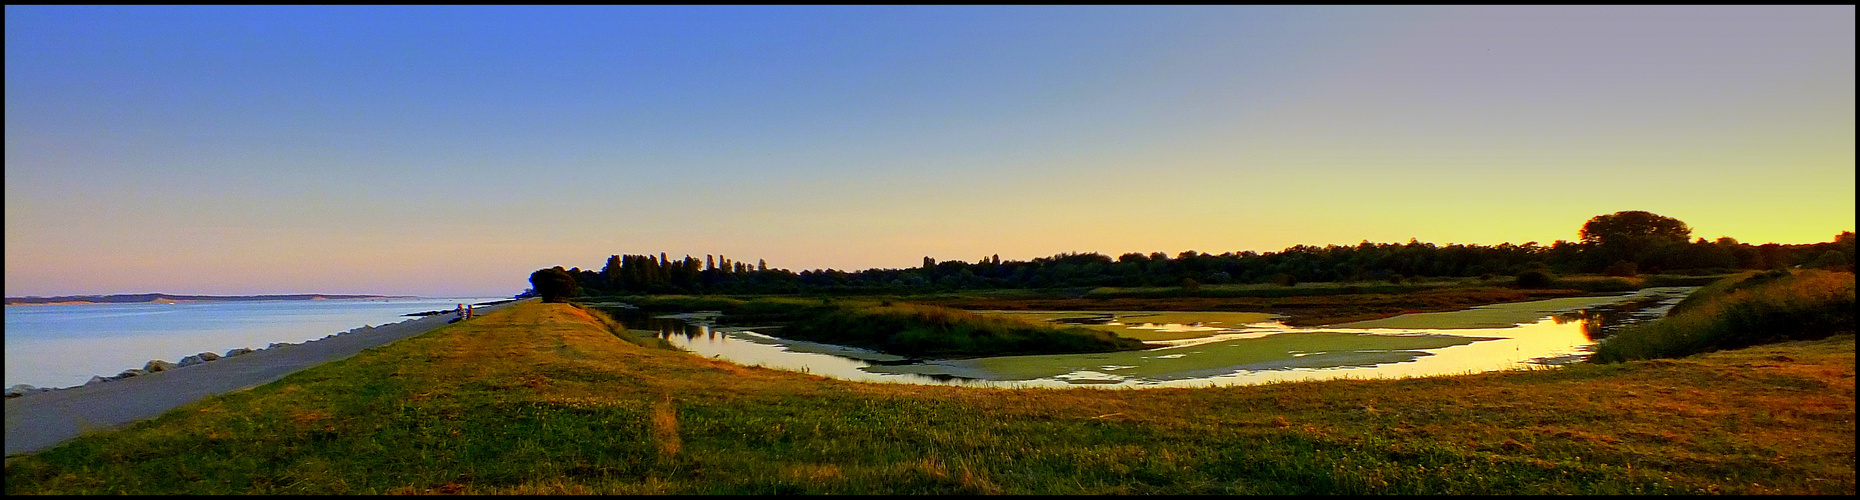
x: 41, y: 420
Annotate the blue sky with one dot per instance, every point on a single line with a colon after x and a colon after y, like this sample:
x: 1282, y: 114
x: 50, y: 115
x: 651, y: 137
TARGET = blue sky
x: 452, y: 150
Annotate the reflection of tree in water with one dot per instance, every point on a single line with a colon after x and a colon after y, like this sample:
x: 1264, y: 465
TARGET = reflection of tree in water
x: 1601, y: 321
x: 667, y: 327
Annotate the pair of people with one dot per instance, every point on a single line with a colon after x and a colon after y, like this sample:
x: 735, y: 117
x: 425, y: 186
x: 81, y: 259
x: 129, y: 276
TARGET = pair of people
x: 465, y: 312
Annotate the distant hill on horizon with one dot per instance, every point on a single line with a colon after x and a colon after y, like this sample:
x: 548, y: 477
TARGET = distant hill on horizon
x: 163, y: 297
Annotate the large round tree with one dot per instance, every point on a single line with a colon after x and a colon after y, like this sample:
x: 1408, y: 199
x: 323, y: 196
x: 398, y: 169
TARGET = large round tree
x: 1634, y: 226
x: 1628, y: 236
x: 554, y: 284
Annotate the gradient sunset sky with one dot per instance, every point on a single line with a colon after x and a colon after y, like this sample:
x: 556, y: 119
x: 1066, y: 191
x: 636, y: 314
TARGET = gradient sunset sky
x: 446, y: 151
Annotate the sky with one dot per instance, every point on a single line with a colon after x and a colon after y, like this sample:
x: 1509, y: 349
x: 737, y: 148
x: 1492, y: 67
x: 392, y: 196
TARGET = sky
x: 445, y: 151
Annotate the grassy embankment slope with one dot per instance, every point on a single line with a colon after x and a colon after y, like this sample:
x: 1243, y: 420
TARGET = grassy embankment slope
x: 543, y: 398
x: 1745, y: 310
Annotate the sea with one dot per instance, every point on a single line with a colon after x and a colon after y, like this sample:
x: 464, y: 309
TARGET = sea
x: 66, y: 345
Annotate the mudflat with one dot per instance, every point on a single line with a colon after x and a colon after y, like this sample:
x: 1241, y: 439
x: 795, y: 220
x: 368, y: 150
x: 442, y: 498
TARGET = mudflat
x: 40, y: 420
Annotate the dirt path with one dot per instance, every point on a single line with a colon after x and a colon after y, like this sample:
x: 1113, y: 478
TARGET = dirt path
x: 41, y: 420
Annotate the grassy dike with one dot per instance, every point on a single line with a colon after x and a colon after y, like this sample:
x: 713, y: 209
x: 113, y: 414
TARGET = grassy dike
x: 543, y: 398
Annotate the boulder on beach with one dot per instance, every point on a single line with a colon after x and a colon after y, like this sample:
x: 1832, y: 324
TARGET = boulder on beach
x: 156, y: 365
x: 275, y: 345
x: 128, y: 373
x: 236, y: 352
x: 21, y: 390
x: 96, y: 379
x: 199, y: 358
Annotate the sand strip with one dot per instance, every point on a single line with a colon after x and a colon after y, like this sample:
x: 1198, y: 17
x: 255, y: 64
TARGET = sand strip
x: 40, y: 420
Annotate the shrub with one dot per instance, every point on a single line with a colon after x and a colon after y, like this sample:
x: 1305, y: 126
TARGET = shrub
x: 554, y: 284
x: 1832, y: 260
x: 1534, y: 279
x: 1621, y: 268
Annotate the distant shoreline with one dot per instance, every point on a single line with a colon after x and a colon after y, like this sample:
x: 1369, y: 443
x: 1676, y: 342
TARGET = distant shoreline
x: 162, y: 298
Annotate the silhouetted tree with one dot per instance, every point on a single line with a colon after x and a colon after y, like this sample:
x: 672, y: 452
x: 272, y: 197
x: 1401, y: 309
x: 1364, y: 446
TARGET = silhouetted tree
x: 1631, y: 235
x: 1534, y: 279
x: 554, y: 284
x: 1831, y: 260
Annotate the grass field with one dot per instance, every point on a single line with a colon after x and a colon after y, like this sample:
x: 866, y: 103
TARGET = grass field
x: 545, y: 398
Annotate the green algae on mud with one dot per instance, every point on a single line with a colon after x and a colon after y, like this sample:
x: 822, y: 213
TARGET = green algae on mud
x: 1274, y: 351
x: 1508, y: 314
x: 1149, y: 326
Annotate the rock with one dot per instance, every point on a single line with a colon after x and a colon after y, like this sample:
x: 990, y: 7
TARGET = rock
x: 128, y: 373
x: 156, y: 365
x: 190, y: 361
x: 207, y: 356
x: 96, y: 379
x: 21, y: 390
x: 236, y: 352
x: 275, y: 345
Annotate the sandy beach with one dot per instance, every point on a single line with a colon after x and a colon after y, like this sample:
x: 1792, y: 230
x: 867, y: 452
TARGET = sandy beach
x: 40, y: 420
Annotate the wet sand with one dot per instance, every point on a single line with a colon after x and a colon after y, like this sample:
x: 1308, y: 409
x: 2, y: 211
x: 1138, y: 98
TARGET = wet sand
x: 40, y: 420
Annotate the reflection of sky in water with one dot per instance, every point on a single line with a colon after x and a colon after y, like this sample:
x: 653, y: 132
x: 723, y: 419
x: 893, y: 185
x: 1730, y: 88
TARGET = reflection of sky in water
x: 754, y: 349
x: 65, y: 345
x: 1526, y: 345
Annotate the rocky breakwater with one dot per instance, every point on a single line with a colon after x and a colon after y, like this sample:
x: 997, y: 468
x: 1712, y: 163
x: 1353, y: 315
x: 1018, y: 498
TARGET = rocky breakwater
x: 157, y: 365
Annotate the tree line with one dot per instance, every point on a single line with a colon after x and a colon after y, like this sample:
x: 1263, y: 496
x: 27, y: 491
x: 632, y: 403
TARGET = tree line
x: 1621, y: 244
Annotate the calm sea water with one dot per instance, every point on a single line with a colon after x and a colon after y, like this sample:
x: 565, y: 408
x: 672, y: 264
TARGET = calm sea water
x: 64, y: 345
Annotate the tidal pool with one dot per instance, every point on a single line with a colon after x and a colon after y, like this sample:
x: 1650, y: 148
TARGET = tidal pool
x: 1203, y: 349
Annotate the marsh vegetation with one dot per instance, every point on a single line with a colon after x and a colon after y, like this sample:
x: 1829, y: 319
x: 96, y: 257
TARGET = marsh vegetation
x: 1185, y: 348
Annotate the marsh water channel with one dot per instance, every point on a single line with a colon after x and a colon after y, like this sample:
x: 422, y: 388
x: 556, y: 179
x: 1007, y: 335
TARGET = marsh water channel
x: 1201, y: 349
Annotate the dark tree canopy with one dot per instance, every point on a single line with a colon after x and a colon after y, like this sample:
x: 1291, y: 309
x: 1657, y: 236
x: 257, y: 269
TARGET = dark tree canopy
x: 1623, y: 244
x: 1634, y: 226
x: 554, y: 284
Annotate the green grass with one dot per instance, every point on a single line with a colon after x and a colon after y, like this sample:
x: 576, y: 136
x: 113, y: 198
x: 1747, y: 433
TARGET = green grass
x: 1749, y: 310
x: 544, y: 398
